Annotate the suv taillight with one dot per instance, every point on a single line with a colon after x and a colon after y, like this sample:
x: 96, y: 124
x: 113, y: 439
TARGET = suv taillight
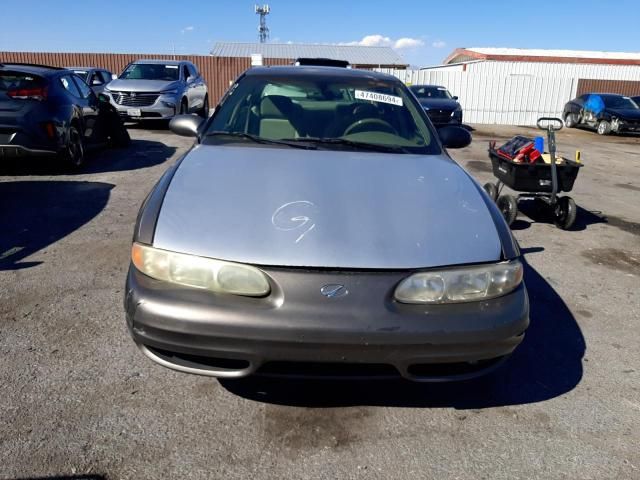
x: 39, y: 93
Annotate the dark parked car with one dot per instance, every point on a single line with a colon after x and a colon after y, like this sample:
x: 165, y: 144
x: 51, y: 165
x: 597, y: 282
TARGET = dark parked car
x: 636, y: 99
x: 440, y: 105
x: 96, y: 78
x: 51, y: 111
x: 605, y: 112
x: 318, y: 226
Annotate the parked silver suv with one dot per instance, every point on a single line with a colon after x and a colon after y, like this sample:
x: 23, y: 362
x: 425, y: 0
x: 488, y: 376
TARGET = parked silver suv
x: 158, y: 90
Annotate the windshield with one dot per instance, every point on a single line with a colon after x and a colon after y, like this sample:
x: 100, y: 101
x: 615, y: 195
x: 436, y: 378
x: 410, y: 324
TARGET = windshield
x: 151, y: 71
x: 421, y: 91
x: 619, y: 102
x: 326, y: 112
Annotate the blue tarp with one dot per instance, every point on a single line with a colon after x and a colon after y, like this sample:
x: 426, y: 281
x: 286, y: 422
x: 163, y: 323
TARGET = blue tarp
x: 594, y: 104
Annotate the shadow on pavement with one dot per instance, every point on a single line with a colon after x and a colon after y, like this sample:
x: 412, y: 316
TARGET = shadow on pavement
x: 34, y: 215
x: 535, y: 214
x: 68, y: 477
x: 140, y: 154
x: 547, y: 364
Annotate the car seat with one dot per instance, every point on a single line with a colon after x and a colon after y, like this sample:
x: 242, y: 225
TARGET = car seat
x: 278, y: 115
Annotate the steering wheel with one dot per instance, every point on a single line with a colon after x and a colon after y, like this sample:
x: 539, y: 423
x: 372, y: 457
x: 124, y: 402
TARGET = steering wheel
x: 378, y: 124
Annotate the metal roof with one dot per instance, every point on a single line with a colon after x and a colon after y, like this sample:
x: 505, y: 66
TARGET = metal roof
x: 354, y: 54
x: 463, y: 55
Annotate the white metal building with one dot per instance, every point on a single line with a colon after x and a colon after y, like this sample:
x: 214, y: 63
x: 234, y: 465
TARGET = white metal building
x: 550, y: 63
x: 517, y: 86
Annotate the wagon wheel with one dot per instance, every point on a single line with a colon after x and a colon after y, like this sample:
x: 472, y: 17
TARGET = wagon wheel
x: 491, y: 190
x: 508, y: 205
x: 565, y: 212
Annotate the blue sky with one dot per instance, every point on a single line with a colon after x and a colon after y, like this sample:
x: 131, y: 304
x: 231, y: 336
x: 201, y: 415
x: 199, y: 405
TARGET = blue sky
x: 424, y: 31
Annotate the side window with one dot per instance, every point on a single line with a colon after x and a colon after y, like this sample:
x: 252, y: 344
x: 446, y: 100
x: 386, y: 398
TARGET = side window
x: 185, y: 72
x: 106, y: 76
x: 96, y: 79
x: 85, y: 91
x: 192, y: 71
x: 69, y: 85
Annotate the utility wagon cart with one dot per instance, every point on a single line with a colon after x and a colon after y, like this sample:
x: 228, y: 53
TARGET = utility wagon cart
x: 539, y: 181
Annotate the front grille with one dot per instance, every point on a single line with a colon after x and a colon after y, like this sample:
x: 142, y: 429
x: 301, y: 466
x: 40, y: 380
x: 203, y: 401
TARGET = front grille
x: 439, y: 115
x: 135, y: 99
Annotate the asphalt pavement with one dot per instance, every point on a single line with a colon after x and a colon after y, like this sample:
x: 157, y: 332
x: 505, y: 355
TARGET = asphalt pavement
x: 78, y: 399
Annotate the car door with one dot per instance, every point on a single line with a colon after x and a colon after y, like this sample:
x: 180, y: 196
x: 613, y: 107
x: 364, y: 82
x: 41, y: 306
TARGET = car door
x: 189, y: 87
x: 200, y: 89
x: 90, y: 109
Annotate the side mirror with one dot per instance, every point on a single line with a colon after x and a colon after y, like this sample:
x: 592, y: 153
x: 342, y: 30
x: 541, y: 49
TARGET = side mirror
x: 96, y: 82
x: 186, y: 125
x: 190, y: 79
x: 454, y: 137
x: 114, y: 76
x: 455, y: 97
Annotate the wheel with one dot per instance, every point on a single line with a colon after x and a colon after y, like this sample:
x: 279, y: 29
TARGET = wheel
x: 604, y: 128
x: 491, y: 190
x: 73, y: 153
x: 508, y: 205
x: 184, y: 107
x: 571, y: 120
x: 204, y: 111
x: 565, y: 212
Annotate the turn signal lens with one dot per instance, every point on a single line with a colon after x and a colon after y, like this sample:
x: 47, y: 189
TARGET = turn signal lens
x: 200, y: 272
x: 457, y: 285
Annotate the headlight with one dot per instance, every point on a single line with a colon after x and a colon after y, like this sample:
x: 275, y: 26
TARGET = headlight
x: 169, y: 92
x: 199, y: 272
x: 457, y: 285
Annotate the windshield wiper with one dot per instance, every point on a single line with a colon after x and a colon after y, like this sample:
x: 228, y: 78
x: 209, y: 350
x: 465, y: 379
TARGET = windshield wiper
x: 257, y: 139
x: 376, y: 147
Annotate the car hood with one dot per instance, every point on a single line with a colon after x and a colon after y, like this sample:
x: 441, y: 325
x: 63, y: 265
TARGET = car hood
x: 319, y: 208
x: 141, y: 85
x: 439, y: 103
x: 627, y: 113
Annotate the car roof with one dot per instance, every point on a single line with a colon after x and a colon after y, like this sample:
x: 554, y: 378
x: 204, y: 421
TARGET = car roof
x: 607, y: 94
x: 161, y: 62
x: 35, y: 69
x: 317, y: 71
x: 85, y: 68
x: 422, y: 85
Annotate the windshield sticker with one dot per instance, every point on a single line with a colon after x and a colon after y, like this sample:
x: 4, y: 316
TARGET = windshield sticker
x: 171, y: 66
x: 379, y: 97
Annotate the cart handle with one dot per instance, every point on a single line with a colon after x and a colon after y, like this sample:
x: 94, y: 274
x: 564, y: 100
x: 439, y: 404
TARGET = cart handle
x: 554, y: 123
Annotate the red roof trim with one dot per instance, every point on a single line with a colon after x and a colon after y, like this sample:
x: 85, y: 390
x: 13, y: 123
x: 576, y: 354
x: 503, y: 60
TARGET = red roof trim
x: 530, y: 58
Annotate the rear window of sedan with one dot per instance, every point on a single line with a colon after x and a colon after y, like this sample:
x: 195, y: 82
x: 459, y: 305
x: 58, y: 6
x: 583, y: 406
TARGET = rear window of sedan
x: 10, y: 80
x: 356, y: 109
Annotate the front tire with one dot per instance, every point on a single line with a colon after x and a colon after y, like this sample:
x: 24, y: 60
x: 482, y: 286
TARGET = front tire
x: 184, y: 107
x: 508, y: 205
x: 491, y: 190
x: 73, y: 153
x: 565, y: 213
x: 604, y: 128
x: 571, y: 120
x: 204, y: 111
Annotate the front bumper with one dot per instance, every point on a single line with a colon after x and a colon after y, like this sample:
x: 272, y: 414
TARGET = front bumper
x: 226, y: 336
x: 164, y: 108
x: 13, y: 151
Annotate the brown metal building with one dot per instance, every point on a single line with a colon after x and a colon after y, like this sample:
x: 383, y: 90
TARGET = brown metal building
x: 220, y: 70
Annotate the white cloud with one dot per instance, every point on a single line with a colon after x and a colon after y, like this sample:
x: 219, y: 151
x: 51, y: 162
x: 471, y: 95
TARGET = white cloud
x: 407, y: 42
x: 378, y: 40
x: 439, y: 44
x: 190, y: 28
